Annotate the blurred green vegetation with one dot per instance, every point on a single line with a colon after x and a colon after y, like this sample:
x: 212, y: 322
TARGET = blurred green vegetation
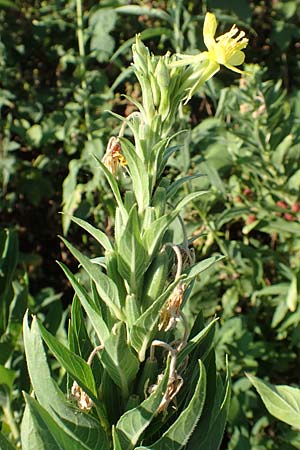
x: 61, y: 69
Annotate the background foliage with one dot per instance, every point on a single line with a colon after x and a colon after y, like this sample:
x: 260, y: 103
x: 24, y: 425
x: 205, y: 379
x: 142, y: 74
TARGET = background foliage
x: 54, y: 96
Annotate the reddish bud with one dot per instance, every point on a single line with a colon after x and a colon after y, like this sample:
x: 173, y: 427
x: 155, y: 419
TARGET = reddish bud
x: 295, y: 207
x: 250, y: 219
x: 282, y: 204
x: 289, y: 217
x: 247, y: 191
x: 238, y: 199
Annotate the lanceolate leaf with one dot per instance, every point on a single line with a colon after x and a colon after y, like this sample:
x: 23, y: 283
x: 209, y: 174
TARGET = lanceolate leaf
x: 154, y: 234
x: 49, y: 428
x: 118, y: 359
x: 172, y: 189
x: 114, y: 187
x: 145, y: 327
x: 86, y: 429
x: 131, y: 252
x: 209, y: 433
x: 133, y: 423
x: 189, y: 198
x: 94, y: 232
x: 201, y: 266
x: 75, y: 365
x: 283, y: 402
x: 6, y: 445
x: 139, y: 174
x: 176, y: 437
x: 34, y: 434
x: 196, y: 341
x: 106, y: 287
x: 93, y: 312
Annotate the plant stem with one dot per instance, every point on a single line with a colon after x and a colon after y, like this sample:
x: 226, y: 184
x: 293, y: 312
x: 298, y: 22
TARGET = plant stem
x: 81, y: 49
x: 9, y: 417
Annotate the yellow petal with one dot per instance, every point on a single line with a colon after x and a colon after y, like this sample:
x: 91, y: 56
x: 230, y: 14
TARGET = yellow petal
x: 237, y: 59
x: 209, y: 30
x: 234, y: 69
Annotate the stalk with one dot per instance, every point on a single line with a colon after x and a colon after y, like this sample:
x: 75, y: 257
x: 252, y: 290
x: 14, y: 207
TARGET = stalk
x: 81, y: 49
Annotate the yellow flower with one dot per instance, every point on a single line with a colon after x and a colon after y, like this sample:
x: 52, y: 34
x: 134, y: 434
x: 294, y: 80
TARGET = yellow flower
x: 226, y: 49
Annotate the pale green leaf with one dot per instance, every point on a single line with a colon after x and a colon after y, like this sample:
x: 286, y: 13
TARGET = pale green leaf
x: 74, y: 365
x: 115, y: 189
x: 153, y: 235
x: 177, y: 435
x: 201, y: 266
x: 134, y: 422
x: 6, y: 445
x: 50, y: 429
x: 146, y: 326
x: 131, y: 251
x: 209, y: 432
x: 86, y: 428
x: 118, y: 359
x: 283, y: 402
x: 93, y: 312
x: 105, y: 286
x: 189, y: 198
x: 197, y: 340
x: 172, y: 189
x: 144, y: 10
x: 139, y: 174
x: 94, y: 232
x: 34, y: 434
x: 292, y: 295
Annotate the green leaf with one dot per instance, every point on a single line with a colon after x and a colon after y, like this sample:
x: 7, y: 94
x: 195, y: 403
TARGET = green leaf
x: 172, y: 189
x: 105, y: 286
x: 50, y: 429
x: 118, y: 359
x: 189, y: 198
x: 94, y: 232
x: 134, y: 422
x: 87, y: 430
x: 145, y: 10
x: 71, y: 193
x: 35, y: 135
x: 210, y: 429
x: 101, y: 23
x: 197, y: 340
x: 6, y: 445
x: 9, y: 250
x: 292, y: 294
x: 145, y: 327
x: 201, y: 266
x: 116, y: 442
x: 115, y: 189
x: 93, y: 312
x: 34, y: 434
x: 139, y: 174
x: 8, y: 4
x: 230, y: 214
x: 176, y: 437
x: 283, y: 402
x: 214, y: 177
x: 131, y: 251
x: 16, y: 309
x: 153, y: 235
x: 73, y: 364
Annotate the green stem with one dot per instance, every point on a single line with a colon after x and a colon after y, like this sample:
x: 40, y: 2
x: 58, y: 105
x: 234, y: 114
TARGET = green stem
x: 81, y: 49
x: 10, y: 420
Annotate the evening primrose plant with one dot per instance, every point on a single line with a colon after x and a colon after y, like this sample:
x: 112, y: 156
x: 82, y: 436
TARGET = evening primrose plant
x: 139, y: 375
